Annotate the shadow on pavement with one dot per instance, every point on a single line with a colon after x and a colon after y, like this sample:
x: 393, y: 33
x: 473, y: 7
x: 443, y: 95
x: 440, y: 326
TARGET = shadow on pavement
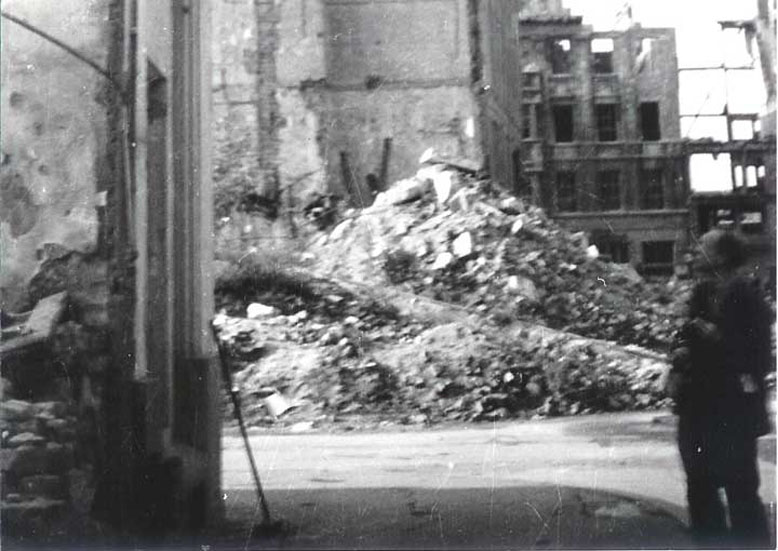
x: 539, y: 517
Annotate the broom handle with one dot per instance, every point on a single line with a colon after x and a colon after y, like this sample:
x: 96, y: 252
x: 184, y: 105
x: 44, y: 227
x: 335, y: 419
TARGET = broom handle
x: 233, y: 392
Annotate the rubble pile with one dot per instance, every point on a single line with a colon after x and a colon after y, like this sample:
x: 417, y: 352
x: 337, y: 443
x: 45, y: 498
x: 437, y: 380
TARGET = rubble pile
x: 400, y: 370
x: 510, y: 316
x: 455, y: 238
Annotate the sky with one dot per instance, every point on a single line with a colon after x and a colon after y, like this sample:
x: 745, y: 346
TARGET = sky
x: 699, y: 42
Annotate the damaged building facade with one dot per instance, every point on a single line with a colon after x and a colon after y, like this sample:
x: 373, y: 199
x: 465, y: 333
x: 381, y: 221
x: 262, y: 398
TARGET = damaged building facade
x: 607, y: 149
x: 344, y: 96
x: 106, y: 225
x: 735, y: 132
x: 601, y: 145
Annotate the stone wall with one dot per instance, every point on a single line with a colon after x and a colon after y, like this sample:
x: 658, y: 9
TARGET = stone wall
x: 53, y: 127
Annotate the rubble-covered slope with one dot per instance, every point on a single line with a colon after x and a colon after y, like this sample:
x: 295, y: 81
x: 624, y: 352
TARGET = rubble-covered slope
x: 476, y: 246
x: 447, y: 300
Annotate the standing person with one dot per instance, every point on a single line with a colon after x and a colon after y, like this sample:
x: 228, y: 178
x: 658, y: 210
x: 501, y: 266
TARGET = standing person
x: 717, y: 381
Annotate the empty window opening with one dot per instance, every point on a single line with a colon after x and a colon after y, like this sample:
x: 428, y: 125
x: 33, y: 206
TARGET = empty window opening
x: 607, y: 122
x: 708, y: 173
x: 652, y: 189
x: 531, y: 80
x: 531, y: 121
x: 751, y: 222
x: 613, y: 247
x: 649, y: 121
x: 751, y: 178
x: 644, y: 60
x: 526, y: 121
x: 566, y: 193
x: 602, y: 52
x: 563, y: 123
x: 742, y: 129
x: 658, y: 256
x: 561, y: 56
x: 739, y: 176
x: 723, y: 218
x: 609, y: 191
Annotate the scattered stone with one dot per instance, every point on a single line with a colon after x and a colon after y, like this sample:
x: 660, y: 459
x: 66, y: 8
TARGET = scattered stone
x: 51, y: 409
x: 443, y: 260
x: 256, y: 310
x: 26, y: 439
x: 403, y: 191
x: 463, y: 245
x: 522, y: 287
x: 511, y: 205
x: 303, y: 426
x: 16, y: 410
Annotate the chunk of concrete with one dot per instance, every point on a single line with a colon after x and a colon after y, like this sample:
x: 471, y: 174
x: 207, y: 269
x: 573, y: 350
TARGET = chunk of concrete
x: 256, y: 310
x: 463, y: 245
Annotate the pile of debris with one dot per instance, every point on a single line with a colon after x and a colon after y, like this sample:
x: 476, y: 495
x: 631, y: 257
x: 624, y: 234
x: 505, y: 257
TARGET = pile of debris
x: 394, y: 369
x: 445, y: 300
x: 447, y: 235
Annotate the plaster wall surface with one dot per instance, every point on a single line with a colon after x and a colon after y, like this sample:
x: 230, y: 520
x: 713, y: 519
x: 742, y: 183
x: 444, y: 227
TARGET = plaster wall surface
x: 53, y: 128
x: 412, y: 40
x: 414, y: 118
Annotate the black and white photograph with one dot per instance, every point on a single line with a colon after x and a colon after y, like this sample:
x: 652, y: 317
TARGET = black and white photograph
x: 387, y: 274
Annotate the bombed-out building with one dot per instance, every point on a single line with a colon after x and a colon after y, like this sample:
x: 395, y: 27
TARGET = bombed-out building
x: 344, y: 96
x: 109, y: 385
x: 601, y: 146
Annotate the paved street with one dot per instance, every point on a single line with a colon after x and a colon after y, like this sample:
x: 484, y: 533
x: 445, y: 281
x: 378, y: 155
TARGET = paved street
x: 594, y: 481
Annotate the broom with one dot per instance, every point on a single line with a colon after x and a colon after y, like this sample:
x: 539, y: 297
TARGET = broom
x: 268, y: 527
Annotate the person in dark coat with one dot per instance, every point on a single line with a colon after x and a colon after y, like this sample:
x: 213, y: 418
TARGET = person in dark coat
x: 717, y: 380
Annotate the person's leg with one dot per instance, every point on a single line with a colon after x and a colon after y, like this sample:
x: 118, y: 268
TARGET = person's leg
x: 707, y: 517
x: 746, y: 511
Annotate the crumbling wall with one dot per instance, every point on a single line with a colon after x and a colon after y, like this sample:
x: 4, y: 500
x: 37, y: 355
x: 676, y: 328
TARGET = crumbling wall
x: 657, y: 77
x: 348, y: 76
x: 499, y: 90
x: 52, y: 128
x: 268, y: 138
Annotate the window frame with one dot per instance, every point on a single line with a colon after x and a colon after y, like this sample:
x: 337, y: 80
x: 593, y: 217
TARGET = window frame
x: 564, y: 179
x: 560, y: 59
x: 651, y: 188
x: 610, y: 132
x: 609, y: 200
x: 649, y: 136
x: 554, y: 112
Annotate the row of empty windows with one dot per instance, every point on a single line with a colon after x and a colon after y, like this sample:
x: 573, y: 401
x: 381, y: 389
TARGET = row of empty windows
x: 560, y: 55
x: 607, y: 118
x: 656, y: 256
x: 608, y: 190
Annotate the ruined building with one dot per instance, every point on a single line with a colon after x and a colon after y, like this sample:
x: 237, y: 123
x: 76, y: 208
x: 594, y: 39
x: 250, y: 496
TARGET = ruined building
x: 737, y: 132
x: 345, y: 95
x: 105, y: 226
x: 601, y: 145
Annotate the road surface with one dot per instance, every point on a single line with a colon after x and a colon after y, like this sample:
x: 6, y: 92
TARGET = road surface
x: 592, y: 481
